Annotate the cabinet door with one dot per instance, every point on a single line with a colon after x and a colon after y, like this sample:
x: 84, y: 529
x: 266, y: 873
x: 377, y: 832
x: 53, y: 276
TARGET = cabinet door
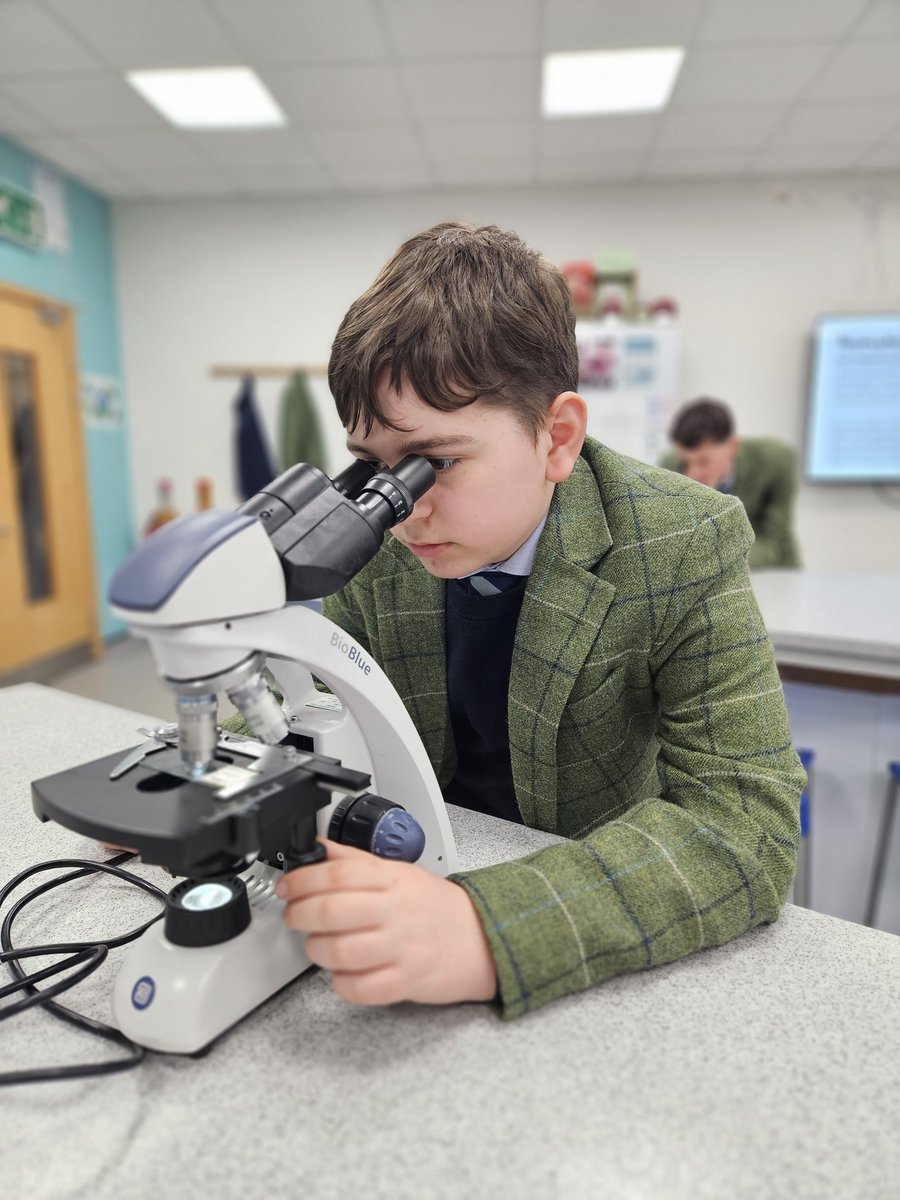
x: 47, y: 599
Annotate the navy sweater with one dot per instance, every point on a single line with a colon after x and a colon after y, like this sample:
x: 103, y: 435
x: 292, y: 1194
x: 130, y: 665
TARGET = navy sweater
x: 480, y: 633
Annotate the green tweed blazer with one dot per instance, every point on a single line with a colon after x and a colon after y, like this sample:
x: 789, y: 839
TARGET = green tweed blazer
x: 646, y: 724
x: 765, y: 482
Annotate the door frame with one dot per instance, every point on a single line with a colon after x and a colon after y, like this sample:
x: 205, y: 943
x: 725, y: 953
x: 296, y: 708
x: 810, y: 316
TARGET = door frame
x: 13, y: 294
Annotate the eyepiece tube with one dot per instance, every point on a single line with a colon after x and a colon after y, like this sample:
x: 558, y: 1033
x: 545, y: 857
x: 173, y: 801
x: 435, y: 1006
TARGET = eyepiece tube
x: 352, y: 479
x: 389, y: 496
x: 416, y: 474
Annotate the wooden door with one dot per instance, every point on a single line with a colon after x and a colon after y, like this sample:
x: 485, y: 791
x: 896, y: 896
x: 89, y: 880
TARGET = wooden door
x: 47, y: 599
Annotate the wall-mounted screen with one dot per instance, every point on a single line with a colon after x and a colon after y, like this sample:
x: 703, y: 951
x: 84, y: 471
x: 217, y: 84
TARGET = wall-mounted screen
x: 853, y: 420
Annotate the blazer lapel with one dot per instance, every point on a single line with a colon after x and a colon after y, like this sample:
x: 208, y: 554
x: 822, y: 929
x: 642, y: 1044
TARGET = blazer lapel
x: 562, y: 612
x: 410, y: 608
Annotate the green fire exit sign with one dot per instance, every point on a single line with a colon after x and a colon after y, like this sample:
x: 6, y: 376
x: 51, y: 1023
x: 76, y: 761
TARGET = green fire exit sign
x: 21, y: 217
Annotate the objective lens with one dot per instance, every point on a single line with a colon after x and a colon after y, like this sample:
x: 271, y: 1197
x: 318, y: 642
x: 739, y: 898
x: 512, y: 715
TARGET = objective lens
x: 261, y: 710
x: 197, y: 734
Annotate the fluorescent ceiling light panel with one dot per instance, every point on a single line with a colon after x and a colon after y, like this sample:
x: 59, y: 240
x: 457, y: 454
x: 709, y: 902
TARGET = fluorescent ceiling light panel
x: 209, y: 98
x: 609, y: 81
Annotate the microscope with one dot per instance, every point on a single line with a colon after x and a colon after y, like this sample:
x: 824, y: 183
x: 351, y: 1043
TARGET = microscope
x: 227, y: 602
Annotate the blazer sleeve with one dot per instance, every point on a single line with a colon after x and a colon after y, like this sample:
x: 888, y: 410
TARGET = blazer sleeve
x: 775, y: 544
x: 713, y: 853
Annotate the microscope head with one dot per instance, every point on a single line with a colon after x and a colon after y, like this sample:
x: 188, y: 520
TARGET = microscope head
x: 303, y: 537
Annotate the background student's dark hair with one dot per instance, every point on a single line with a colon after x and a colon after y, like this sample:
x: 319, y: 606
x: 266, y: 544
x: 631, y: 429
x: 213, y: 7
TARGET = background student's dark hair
x: 462, y: 313
x: 700, y: 421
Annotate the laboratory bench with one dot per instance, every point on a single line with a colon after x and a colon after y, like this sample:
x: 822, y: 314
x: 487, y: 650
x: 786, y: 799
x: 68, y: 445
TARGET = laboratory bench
x: 769, y: 1067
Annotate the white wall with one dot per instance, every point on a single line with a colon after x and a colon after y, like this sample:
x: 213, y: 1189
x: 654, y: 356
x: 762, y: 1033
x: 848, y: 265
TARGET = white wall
x: 268, y: 281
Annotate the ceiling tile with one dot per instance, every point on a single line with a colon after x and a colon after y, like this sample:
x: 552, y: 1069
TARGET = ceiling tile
x: 757, y: 74
x: 166, y: 150
x: 602, y: 24
x: 209, y: 182
x: 473, y: 88
x: 99, y: 102
x: 479, y: 139
x: 881, y: 20
x: 30, y: 40
x: 777, y: 20
x: 150, y: 33
x: 252, y: 150
x: 581, y: 170
x: 63, y: 151
x: 803, y: 159
x: 472, y: 171
x: 464, y: 28
x: 339, y: 94
x: 671, y: 164
x: 861, y: 71
x: 837, y: 125
x: 567, y: 137
x: 382, y: 177
x: 16, y: 119
x: 110, y: 183
x: 885, y: 157
x: 372, y: 145
x: 716, y: 129
x: 289, y: 31
x: 289, y: 177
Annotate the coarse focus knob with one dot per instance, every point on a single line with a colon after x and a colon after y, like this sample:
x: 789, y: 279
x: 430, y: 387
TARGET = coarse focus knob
x: 206, y: 912
x: 379, y: 826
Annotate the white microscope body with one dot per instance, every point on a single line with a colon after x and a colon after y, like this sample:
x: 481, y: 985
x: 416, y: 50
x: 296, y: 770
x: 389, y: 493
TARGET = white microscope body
x: 211, y: 598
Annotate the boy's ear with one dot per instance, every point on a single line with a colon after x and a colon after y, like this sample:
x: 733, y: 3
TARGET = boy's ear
x: 566, y: 422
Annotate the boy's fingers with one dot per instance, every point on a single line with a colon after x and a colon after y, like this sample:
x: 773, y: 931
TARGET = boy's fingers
x: 353, y: 952
x: 338, y: 851
x: 350, y: 870
x: 336, y: 912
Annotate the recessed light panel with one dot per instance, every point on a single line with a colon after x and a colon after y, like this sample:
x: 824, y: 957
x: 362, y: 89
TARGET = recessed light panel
x: 591, y: 82
x: 209, y: 98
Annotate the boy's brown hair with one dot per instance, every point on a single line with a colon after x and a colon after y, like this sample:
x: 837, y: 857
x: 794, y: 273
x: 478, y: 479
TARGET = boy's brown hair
x: 703, y: 420
x: 461, y: 313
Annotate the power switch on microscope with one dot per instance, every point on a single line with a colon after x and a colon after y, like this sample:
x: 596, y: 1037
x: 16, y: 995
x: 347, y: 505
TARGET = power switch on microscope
x: 379, y: 826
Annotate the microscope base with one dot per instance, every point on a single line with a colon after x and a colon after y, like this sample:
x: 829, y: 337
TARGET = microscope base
x: 179, y: 999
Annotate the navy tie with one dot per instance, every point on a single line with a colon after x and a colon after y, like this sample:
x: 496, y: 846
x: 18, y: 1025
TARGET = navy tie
x: 492, y: 583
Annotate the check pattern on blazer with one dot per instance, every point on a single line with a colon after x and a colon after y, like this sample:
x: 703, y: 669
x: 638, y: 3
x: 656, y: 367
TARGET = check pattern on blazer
x: 646, y: 724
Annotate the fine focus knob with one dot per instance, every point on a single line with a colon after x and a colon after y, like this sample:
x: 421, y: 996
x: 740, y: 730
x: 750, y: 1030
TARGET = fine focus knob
x: 206, y: 912
x: 379, y: 826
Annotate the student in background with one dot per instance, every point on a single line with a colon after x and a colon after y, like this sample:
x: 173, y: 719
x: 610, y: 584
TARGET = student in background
x: 761, y: 472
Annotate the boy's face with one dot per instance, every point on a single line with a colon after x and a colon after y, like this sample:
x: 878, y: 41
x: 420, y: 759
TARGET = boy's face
x: 710, y: 462
x: 491, y: 488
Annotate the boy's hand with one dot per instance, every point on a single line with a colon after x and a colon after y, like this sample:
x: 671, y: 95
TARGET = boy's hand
x: 388, y: 931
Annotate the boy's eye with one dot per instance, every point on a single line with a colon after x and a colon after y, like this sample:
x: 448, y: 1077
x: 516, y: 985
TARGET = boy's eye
x: 443, y: 464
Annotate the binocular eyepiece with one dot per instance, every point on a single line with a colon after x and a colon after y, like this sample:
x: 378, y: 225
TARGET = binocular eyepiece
x: 326, y: 530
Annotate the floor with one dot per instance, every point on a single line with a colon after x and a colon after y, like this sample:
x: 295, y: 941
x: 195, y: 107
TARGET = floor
x: 125, y: 676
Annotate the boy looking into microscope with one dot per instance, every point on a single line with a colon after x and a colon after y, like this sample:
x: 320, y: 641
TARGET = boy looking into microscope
x: 575, y: 637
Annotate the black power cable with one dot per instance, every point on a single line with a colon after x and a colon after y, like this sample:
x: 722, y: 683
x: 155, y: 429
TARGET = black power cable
x: 87, y: 956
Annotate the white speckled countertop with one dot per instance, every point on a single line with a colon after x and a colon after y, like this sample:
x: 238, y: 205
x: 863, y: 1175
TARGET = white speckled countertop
x: 767, y: 1068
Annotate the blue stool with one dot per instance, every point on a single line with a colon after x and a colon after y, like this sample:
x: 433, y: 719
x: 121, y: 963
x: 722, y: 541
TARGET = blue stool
x: 884, y: 842
x: 804, y: 863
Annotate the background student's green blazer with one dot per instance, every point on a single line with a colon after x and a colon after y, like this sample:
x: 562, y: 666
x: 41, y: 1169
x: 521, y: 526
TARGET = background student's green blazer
x: 646, y: 723
x: 765, y: 482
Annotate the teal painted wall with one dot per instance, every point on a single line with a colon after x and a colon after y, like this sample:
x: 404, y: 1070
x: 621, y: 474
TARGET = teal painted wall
x: 84, y: 277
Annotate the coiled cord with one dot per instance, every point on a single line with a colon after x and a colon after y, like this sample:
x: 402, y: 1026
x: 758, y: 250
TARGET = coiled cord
x: 87, y: 956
